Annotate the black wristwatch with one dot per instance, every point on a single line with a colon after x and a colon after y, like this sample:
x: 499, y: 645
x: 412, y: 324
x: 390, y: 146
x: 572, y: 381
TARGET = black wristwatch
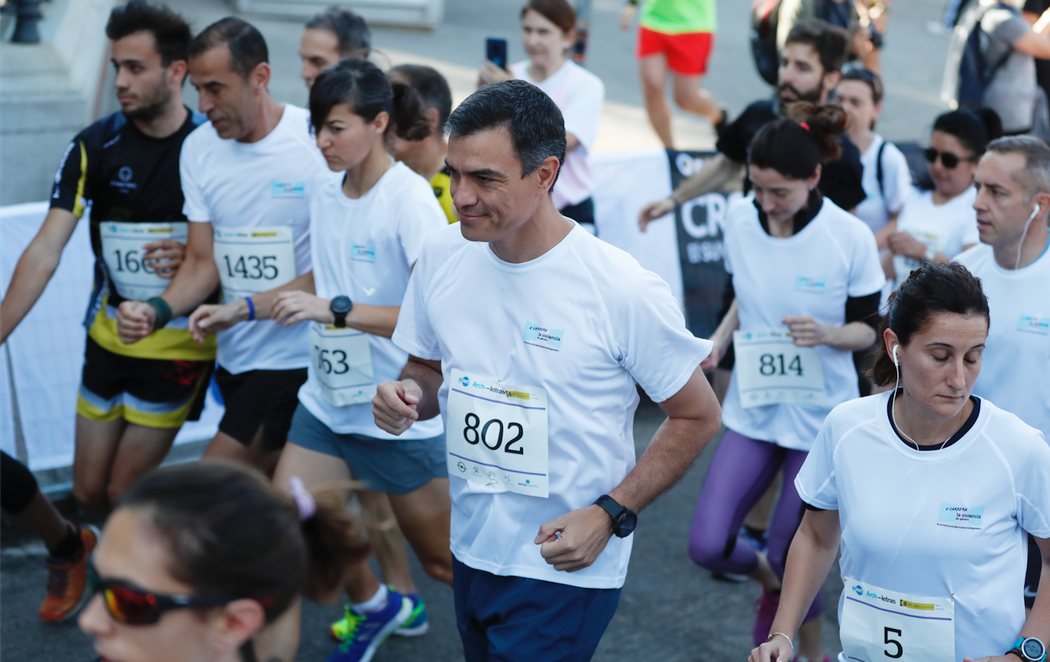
x: 1028, y: 649
x: 624, y: 520
x: 340, y: 307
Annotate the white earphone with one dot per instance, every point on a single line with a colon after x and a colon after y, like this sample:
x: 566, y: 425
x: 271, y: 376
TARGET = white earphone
x: 1024, y: 233
x: 896, y: 361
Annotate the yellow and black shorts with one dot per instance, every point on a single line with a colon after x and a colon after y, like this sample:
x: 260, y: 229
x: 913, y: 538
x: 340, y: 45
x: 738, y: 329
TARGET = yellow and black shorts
x: 155, y: 393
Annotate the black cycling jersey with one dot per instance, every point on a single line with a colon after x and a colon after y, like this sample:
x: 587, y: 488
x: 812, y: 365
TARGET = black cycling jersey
x: 123, y: 174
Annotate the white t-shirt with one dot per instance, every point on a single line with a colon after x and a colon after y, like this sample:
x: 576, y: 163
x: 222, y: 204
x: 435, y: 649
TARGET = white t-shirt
x: 811, y: 273
x: 896, y: 505
x: 609, y: 325
x: 945, y: 228
x: 365, y: 249
x: 888, y: 199
x: 1016, y: 361
x: 579, y: 95
x: 265, y: 184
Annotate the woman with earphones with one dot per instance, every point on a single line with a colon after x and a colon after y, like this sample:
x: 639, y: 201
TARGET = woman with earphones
x: 929, y: 491
x: 806, y: 280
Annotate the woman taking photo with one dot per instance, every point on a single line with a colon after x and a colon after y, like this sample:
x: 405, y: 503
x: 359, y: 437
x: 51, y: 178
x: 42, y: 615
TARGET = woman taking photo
x: 548, y: 31
x: 937, y: 224
x: 178, y: 573
x: 928, y: 491
x: 793, y: 326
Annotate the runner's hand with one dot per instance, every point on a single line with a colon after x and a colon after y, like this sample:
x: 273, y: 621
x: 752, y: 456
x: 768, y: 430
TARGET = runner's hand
x: 653, y: 211
x: 490, y: 73
x: 135, y: 321
x: 164, y: 256
x: 711, y: 361
x: 775, y: 650
x: 394, y: 406
x: 573, y: 541
x: 806, y: 331
x: 292, y: 307
x: 991, y: 658
x: 211, y: 318
x: 902, y: 243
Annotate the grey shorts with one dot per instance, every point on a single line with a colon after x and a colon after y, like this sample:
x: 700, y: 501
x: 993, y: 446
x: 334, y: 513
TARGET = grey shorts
x: 396, y: 466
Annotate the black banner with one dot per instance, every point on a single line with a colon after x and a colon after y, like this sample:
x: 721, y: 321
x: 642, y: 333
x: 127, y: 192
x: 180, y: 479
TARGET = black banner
x: 698, y: 224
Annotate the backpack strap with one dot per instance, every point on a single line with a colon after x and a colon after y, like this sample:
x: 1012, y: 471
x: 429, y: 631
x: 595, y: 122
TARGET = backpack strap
x: 990, y: 72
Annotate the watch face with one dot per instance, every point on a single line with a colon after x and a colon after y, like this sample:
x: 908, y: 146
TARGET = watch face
x: 627, y: 524
x: 1033, y: 649
x: 341, y: 304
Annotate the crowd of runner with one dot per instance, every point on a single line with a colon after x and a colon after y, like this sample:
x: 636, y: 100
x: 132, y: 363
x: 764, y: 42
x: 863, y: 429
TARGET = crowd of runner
x: 404, y: 303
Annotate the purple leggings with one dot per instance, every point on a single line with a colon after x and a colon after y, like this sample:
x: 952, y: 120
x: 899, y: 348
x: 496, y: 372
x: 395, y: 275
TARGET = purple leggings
x: 740, y: 473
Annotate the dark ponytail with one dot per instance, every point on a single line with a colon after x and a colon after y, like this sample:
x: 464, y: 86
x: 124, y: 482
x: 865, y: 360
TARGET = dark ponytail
x: 930, y: 289
x: 409, y: 116
x: 230, y: 532
x: 366, y: 89
x: 795, y: 145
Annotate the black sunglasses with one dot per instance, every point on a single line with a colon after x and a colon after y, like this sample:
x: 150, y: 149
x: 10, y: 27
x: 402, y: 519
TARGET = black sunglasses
x: 131, y: 605
x: 948, y: 160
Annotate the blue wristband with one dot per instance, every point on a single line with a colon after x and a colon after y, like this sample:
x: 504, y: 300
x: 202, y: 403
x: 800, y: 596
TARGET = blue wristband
x: 251, y: 308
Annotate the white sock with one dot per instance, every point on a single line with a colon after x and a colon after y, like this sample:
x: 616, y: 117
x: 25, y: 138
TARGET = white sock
x: 373, y: 604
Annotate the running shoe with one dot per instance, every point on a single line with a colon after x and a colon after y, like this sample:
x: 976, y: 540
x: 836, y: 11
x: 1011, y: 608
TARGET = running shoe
x: 756, y: 540
x: 766, y: 608
x: 67, y: 579
x: 366, y: 632
x: 415, y: 625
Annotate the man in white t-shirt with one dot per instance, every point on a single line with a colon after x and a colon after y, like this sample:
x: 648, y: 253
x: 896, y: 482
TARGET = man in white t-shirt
x: 247, y: 175
x: 529, y: 337
x: 1013, y: 263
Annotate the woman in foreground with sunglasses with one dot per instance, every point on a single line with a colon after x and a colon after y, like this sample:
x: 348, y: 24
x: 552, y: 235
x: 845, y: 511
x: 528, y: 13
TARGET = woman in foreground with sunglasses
x: 198, y: 558
x: 927, y: 491
x: 936, y: 225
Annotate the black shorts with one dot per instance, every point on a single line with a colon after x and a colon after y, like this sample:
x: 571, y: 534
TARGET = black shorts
x: 155, y: 393
x: 259, y: 399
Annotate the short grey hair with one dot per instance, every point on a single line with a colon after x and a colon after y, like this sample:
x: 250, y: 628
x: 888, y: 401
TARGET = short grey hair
x: 1035, y: 176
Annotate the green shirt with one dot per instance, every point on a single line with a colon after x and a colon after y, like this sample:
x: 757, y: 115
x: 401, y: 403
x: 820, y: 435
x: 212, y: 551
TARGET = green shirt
x: 679, y: 16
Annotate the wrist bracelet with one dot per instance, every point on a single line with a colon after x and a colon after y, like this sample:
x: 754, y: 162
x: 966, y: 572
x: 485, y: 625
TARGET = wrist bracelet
x: 161, y: 310
x: 251, y: 308
x: 780, y: 634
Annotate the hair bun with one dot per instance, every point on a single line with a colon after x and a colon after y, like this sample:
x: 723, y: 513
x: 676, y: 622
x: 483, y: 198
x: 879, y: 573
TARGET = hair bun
x: 825, y: 123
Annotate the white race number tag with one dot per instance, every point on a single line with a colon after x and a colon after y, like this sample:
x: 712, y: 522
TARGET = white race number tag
x: 253, y: 260
x: 342, y: 361
x: 497, y: 434
x: 771, y: 369
x: 878, y: 624
x: 125, y: 256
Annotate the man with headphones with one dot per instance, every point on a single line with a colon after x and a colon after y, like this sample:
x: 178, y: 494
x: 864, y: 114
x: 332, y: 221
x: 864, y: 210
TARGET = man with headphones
x: 1013, y: 263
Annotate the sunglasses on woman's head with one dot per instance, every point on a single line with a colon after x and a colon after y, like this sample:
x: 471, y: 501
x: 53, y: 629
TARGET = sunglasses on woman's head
x: 948, y: 160
x: 131, y: 605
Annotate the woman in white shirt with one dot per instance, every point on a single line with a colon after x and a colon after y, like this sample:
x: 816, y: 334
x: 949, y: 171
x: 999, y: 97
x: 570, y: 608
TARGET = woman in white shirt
x: 886, y: 177
x: 928, y: 491
x: 548, y: 31
x: 806, y: 279
x: 936, y: 225
x: 367, y: 228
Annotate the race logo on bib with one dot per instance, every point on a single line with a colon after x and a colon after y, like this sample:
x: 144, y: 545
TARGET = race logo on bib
x: 812, y: 285
x: 288, y: 190
x: 538, y: 335
x: 960, y: 517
